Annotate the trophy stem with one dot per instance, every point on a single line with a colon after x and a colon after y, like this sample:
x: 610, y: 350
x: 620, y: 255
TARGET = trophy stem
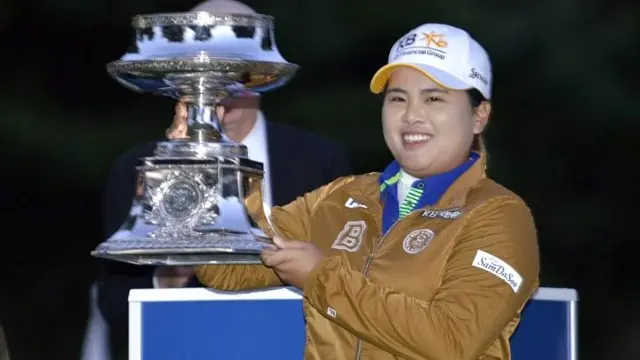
x: 202, y: 121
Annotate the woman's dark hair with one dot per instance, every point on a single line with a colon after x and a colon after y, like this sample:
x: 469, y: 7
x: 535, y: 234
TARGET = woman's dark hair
x: 475, y: 99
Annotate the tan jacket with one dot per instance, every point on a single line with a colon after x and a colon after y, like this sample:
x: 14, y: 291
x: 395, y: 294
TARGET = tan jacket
x: 446, y: 282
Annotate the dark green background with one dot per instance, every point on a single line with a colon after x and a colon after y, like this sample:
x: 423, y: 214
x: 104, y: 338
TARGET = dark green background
x: 563, y: 136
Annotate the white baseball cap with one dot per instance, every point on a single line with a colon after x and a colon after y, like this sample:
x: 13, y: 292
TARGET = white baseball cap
x: 447, y: 55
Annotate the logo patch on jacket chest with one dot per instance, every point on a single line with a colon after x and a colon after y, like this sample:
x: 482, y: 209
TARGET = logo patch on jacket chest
x: 417, y: 241
x: 447, y: 214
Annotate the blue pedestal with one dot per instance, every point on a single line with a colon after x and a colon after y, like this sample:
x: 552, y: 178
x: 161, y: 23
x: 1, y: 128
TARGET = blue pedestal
x: 548, y: 328
x: 204, y: 324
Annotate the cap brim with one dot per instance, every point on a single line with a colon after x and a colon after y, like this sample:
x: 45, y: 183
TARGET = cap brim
x: 441, y: 78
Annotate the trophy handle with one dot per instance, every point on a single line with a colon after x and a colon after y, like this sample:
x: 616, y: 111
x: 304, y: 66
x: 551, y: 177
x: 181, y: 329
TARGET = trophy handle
x: 266, y: 208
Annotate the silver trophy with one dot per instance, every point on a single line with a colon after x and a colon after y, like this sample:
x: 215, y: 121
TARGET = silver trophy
x: 190, y: 205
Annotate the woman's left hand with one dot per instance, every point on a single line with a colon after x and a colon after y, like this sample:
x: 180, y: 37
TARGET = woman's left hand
x: 293, y: 260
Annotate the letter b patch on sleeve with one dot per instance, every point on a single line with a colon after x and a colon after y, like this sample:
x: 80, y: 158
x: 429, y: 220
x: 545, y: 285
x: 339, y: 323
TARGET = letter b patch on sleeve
x: 494, y: 265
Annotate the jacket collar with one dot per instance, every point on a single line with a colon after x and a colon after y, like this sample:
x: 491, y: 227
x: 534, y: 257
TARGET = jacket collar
x: 456, y: 194
x: 456, y: 184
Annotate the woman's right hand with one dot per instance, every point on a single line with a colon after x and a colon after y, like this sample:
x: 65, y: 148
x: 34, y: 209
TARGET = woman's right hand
x: 178, y: 128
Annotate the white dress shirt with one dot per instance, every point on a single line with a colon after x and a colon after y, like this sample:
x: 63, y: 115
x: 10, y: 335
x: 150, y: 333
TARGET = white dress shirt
x: 256, y: 142
x: 96, y: 336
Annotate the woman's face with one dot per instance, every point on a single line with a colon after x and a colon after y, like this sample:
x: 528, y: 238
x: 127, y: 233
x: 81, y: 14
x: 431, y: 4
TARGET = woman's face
x: 428, y: 129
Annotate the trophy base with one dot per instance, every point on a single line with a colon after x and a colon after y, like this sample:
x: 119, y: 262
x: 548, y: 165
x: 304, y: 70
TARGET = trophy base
x: 186, y: 258
x: 206, y: 249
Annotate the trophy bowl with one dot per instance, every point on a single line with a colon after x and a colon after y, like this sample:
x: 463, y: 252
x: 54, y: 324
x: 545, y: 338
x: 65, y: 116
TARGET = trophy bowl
x: 190, y: 206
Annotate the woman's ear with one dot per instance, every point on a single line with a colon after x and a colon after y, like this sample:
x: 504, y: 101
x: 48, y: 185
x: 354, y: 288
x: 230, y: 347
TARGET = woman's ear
x: 481, y: 117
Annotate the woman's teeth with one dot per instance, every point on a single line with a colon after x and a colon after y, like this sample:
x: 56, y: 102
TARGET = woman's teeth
x: 415, y: 138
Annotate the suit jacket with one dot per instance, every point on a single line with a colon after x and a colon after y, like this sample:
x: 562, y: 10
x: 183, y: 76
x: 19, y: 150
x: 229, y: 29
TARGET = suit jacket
x: 300, y: 161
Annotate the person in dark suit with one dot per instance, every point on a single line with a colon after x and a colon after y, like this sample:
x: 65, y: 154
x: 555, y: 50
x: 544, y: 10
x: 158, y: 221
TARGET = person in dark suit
x: 296, y: 162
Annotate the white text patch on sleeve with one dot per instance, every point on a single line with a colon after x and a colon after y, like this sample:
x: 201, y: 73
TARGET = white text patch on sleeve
x: 499, y: 268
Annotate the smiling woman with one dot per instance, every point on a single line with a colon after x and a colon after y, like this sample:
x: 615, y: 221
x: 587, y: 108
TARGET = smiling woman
x: 428, y: 259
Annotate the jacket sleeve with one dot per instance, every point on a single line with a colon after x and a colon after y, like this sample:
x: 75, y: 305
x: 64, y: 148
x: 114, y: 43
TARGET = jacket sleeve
x: 290, y: 221
x: 490, y: 274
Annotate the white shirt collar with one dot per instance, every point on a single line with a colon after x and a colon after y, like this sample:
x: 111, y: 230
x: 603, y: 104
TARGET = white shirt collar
x: 258, y: 133
x: 406, y: 180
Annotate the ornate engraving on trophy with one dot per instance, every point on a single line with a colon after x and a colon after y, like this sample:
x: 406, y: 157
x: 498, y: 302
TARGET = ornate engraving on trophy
x: 179, y: 199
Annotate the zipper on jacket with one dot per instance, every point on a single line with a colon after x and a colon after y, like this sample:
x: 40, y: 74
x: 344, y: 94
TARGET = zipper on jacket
x: 367, y: 265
